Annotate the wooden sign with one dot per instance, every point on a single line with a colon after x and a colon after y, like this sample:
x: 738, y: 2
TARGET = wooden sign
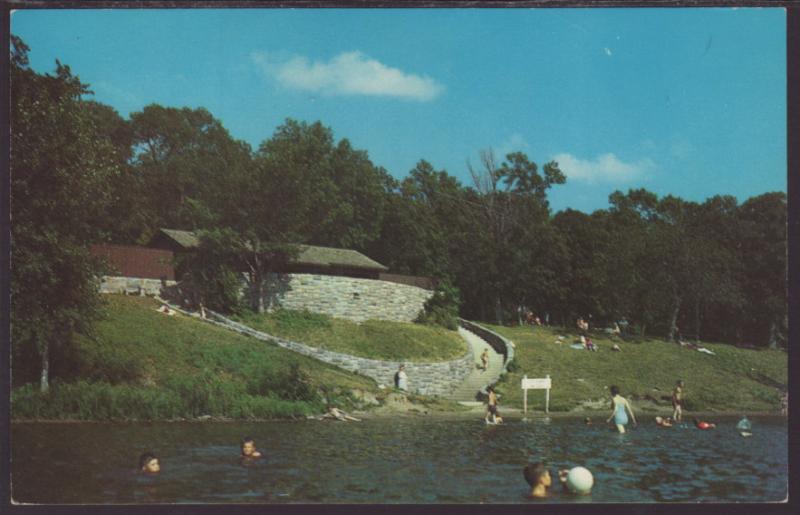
x: 536, y: 384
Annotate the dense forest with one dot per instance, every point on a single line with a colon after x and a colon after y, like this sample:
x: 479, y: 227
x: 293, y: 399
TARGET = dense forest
x: 82, y: 174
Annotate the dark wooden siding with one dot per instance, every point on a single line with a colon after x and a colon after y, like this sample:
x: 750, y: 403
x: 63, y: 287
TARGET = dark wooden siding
x: 142, y: 262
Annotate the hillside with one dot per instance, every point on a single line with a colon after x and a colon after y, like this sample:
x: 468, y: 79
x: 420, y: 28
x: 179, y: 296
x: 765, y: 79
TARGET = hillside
x: 733, y: 379
x: 141, y: 364
x: 376, y: 339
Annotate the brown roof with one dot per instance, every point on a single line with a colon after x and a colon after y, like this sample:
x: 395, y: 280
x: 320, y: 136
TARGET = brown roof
x: 308, y: 255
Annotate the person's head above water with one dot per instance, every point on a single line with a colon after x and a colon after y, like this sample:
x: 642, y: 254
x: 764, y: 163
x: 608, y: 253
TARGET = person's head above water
x: 614, y: 390
x: 148, y: 463
x: 249, y: 448
x: 536, y: 474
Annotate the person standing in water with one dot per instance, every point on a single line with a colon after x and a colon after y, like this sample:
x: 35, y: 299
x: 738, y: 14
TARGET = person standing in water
x: 619, y: 406
x: 677, y: 402
x: 491, y: 407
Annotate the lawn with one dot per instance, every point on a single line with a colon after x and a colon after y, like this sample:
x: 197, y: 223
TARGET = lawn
x: 645, y: 370
x: 141, y: 364
x: 391, y: 341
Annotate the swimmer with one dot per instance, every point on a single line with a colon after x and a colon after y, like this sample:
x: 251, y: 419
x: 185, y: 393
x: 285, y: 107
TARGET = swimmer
x: 148, y: 464
x: 664, y: 422
x: 249, y: 448
x: 703, y: 424
x: 538, y: 477
x: 620, y: 405
x: 744, y: 427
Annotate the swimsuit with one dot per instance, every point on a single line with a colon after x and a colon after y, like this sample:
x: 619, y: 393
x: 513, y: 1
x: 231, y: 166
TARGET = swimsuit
x: 620, y: 417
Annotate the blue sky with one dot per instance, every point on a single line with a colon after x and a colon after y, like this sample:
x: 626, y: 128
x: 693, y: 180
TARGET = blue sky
x: 690, y: 102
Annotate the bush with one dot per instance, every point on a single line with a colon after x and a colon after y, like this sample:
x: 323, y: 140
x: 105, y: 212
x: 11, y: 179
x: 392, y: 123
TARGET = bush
x: 442, y: 308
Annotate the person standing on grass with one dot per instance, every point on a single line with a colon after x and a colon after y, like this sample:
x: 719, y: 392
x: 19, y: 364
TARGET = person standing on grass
x: 620, y: 406
x: 677, y: 401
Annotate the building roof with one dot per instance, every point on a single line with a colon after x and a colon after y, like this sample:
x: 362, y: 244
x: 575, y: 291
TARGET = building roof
x: 185, y: 239
x: 308, y: 254
x: 332, y: 257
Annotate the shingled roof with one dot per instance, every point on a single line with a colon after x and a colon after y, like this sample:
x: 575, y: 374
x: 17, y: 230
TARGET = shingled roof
x: 308, y: 254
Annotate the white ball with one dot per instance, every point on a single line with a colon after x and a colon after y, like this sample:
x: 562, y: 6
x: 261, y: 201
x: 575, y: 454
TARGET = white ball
x: 580, y: 480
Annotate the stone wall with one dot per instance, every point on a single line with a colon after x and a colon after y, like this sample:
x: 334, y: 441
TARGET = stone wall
x: 423, y: 378
x: 346, y: 297
x: 500, y: 344
x: 132, y: 285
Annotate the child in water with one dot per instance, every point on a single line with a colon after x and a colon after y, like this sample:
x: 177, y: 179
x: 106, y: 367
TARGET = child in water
x: 538, y: 477
x: 701, y: 424
x: 148, y: 464
x: 249, y: 448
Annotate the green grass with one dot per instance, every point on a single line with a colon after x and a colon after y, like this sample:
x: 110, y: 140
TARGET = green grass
x: 645, y: 371
x: 394, y: 341
x: 141, y: 364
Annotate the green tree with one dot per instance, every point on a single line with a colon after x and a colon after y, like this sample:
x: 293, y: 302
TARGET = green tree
x: 62, y: 166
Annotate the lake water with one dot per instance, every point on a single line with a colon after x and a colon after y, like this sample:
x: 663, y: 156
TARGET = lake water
x: 404, y: 460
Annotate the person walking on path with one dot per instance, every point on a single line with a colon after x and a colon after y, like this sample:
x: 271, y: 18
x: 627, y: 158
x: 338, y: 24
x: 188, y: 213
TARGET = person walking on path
x: 677, y: 401
x: 620, y: 405
x: 485, y: 360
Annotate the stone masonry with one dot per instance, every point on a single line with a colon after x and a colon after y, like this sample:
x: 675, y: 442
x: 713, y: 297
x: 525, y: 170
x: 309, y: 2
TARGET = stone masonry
x: 423, y: 378
x: 350, y: 298
x: 131, y: 285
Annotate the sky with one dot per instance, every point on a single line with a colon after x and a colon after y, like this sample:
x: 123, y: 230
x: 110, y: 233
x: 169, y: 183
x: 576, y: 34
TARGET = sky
x: 688, y: 101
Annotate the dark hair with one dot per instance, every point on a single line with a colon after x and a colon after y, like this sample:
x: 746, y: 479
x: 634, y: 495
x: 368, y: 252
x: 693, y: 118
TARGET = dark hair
x: 146, y: 458
x: 679, y: 381
x: 247, y: 439
x: 489, y: 389
x: 533, y: 472
x: 614, y: 390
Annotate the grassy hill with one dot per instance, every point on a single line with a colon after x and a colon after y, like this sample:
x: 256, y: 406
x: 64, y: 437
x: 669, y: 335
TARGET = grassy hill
x: 391, y: 341
x: 733, y: 379
x: 141, y: 364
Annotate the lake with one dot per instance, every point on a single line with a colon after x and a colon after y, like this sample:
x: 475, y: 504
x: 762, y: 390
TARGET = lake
x: 403, y: 460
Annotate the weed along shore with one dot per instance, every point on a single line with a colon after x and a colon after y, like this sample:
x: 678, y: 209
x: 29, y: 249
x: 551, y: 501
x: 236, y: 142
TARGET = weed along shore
x: 143, y: 365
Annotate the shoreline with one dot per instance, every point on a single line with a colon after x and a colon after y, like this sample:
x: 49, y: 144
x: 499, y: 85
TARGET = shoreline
x: 477, y: 412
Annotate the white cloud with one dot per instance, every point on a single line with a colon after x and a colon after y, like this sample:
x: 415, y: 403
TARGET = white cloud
x: 349, y: 73
x: 603, y: 168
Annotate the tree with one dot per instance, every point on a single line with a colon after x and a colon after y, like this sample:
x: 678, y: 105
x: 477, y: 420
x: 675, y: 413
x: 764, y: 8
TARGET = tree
x: 61, y: 167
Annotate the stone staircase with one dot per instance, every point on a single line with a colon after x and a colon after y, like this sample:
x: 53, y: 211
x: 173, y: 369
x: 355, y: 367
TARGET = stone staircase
x: 466, y: 392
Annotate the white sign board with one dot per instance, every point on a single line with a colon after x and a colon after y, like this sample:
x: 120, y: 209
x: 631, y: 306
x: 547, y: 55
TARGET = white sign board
x: 537, y: 384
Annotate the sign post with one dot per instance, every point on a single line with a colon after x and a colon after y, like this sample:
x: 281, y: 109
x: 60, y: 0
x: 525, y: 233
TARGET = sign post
x: 536, y: 384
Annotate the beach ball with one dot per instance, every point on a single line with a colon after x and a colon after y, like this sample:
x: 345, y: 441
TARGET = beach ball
x: 580, y: 480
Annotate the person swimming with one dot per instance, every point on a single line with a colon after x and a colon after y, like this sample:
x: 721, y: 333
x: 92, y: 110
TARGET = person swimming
x: 249, y: 448
x: 149, y: 464
x: 619, y: 407
x: 744, y: 427
x: 539, y: 479
x: 701, y: 424
x: 664, y: 422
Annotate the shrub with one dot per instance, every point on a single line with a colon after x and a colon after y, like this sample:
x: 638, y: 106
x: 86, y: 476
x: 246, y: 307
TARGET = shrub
x: 442, y: 308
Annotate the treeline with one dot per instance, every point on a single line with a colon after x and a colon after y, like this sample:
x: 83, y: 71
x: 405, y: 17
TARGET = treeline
x: 82, y: 174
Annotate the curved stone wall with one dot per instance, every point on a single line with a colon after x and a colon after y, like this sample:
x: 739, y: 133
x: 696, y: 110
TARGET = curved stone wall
x: 499, y: 343
x: 423, y: 378
x: 350, y: 298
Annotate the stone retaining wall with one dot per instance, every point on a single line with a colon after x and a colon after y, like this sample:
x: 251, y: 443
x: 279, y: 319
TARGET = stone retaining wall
x: 499, y: 343
x: 423, y: 378
x: 350, y: 298
x: 132, y: 285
